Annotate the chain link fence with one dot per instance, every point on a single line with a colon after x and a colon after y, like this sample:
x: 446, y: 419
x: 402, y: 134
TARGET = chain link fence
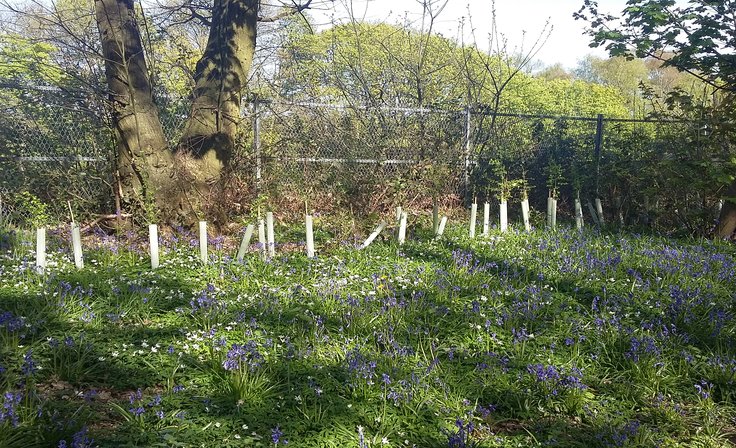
x: 59, y: 146
x: 55, y: 144
x: 646, y: 172
x: 367, y: 158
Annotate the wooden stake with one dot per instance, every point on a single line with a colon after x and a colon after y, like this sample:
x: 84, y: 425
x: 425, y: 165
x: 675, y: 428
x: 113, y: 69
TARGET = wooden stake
x: 262, y: 237
x: 71, y: 213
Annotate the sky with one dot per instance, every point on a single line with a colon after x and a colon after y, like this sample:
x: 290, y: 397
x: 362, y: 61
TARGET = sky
x: 520, y: 21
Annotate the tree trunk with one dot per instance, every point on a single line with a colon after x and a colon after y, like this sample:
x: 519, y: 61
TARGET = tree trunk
x: 153, y: 180
x: 727, y: 219
x: 208, y: 141
x: 144, y: 161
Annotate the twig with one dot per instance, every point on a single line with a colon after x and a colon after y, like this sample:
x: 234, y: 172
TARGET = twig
x: 101, y: 218
x: 71, y: 213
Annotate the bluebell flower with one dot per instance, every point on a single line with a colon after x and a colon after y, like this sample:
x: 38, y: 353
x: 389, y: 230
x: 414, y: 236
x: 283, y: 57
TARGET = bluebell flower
x: 8, y: 410
x: 704, y: 389
x: 277, y: 436
x: 29, y: 366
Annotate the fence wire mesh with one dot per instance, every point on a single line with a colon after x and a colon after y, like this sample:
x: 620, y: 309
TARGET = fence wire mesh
x: 60, y: 146
x: 56, y: 144
x: 370, y: 158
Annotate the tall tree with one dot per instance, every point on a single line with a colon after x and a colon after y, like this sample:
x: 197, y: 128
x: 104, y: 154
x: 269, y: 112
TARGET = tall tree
x: 180, y: 182
x: 698, y: 38
x: 220, y: 76
x: 624, y: 74
x: 144, y: 162
x: 153, y: 175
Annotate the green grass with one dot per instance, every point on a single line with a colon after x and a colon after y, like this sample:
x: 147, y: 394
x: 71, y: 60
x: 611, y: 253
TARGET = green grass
x: 541, y: 339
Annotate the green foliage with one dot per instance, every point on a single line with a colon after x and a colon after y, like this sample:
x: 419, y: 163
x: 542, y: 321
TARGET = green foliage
x: 377, y: 64
x: 31, y: 210
x: 625, y: 75
x: 555, y: 177
x: 693, y: 38
x: 502, y: 185
x: 369, y: 64
x: 74, y: 360
x: 516, y: 339
x: 49, y: 118
x: 694, y: 35
x: 23, y: 60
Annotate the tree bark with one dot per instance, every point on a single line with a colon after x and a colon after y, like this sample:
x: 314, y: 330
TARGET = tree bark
x: 208, y: 141
x: 152, y: 178
x: 144, y: 161
x: 727, y: 219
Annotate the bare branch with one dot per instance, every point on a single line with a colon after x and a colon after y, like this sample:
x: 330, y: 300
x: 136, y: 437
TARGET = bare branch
x: 295, y: 8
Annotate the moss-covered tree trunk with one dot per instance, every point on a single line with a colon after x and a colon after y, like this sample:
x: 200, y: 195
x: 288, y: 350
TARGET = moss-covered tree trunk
x: 144, y: 162
x: 208, y: 141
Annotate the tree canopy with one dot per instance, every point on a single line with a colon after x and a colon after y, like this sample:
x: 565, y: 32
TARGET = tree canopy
x: 698, y: 38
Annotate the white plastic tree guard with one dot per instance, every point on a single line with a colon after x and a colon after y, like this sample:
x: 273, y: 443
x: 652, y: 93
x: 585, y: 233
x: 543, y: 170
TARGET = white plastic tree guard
x: 310, y: 235
x: 579, y: 222
x: 503, y: 212
x: 593, y: 213
x: 525, y: 214
x: 271, y: 238
x: 599, y: 210
x: 203, y: 241
x: 473, y: 219
x: 402, y: 229
x: 373, y: 235
x: 397, y: 222
x: 77, y: 246
x: 486, y: 219
x: 245, y: 243
x: 153, y: 245
x: 41, y: 249
x: 441, y: 227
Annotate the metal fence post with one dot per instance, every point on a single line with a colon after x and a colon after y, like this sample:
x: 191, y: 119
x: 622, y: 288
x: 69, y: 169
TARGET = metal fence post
x: 598, y: 144
x: 257, y: 143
